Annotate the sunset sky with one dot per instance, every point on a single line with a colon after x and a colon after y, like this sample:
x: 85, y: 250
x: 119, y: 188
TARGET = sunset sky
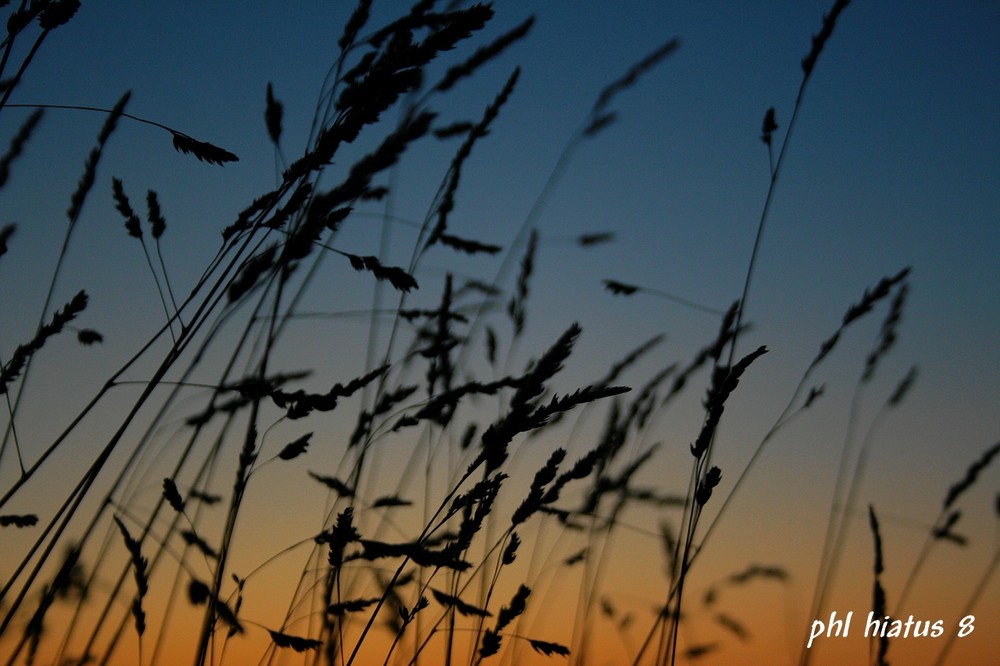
x: 894, y: 162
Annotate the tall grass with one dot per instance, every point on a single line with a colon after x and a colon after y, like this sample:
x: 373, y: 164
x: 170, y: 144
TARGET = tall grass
x: 434, y: 504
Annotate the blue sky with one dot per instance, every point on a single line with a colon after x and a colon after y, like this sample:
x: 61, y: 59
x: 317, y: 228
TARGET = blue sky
x: 895, y: 161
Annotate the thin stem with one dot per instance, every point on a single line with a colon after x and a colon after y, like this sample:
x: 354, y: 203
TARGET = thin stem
x: 159, y: 289
x: 20, y: 72
x: 828, y: 559
x: 96, y: 109
x: 973, y: 600
x: 758, y: 238
x: 166, y: 277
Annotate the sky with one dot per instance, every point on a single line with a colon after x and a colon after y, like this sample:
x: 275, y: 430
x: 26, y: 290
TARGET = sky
x: 894, y: 161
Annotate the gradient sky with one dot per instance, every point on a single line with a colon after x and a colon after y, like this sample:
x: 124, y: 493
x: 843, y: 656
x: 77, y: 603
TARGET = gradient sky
x: 895, y: 161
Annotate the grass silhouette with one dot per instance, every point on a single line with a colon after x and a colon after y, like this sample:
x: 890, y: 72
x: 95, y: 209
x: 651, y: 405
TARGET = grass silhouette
x: 418, y: 510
